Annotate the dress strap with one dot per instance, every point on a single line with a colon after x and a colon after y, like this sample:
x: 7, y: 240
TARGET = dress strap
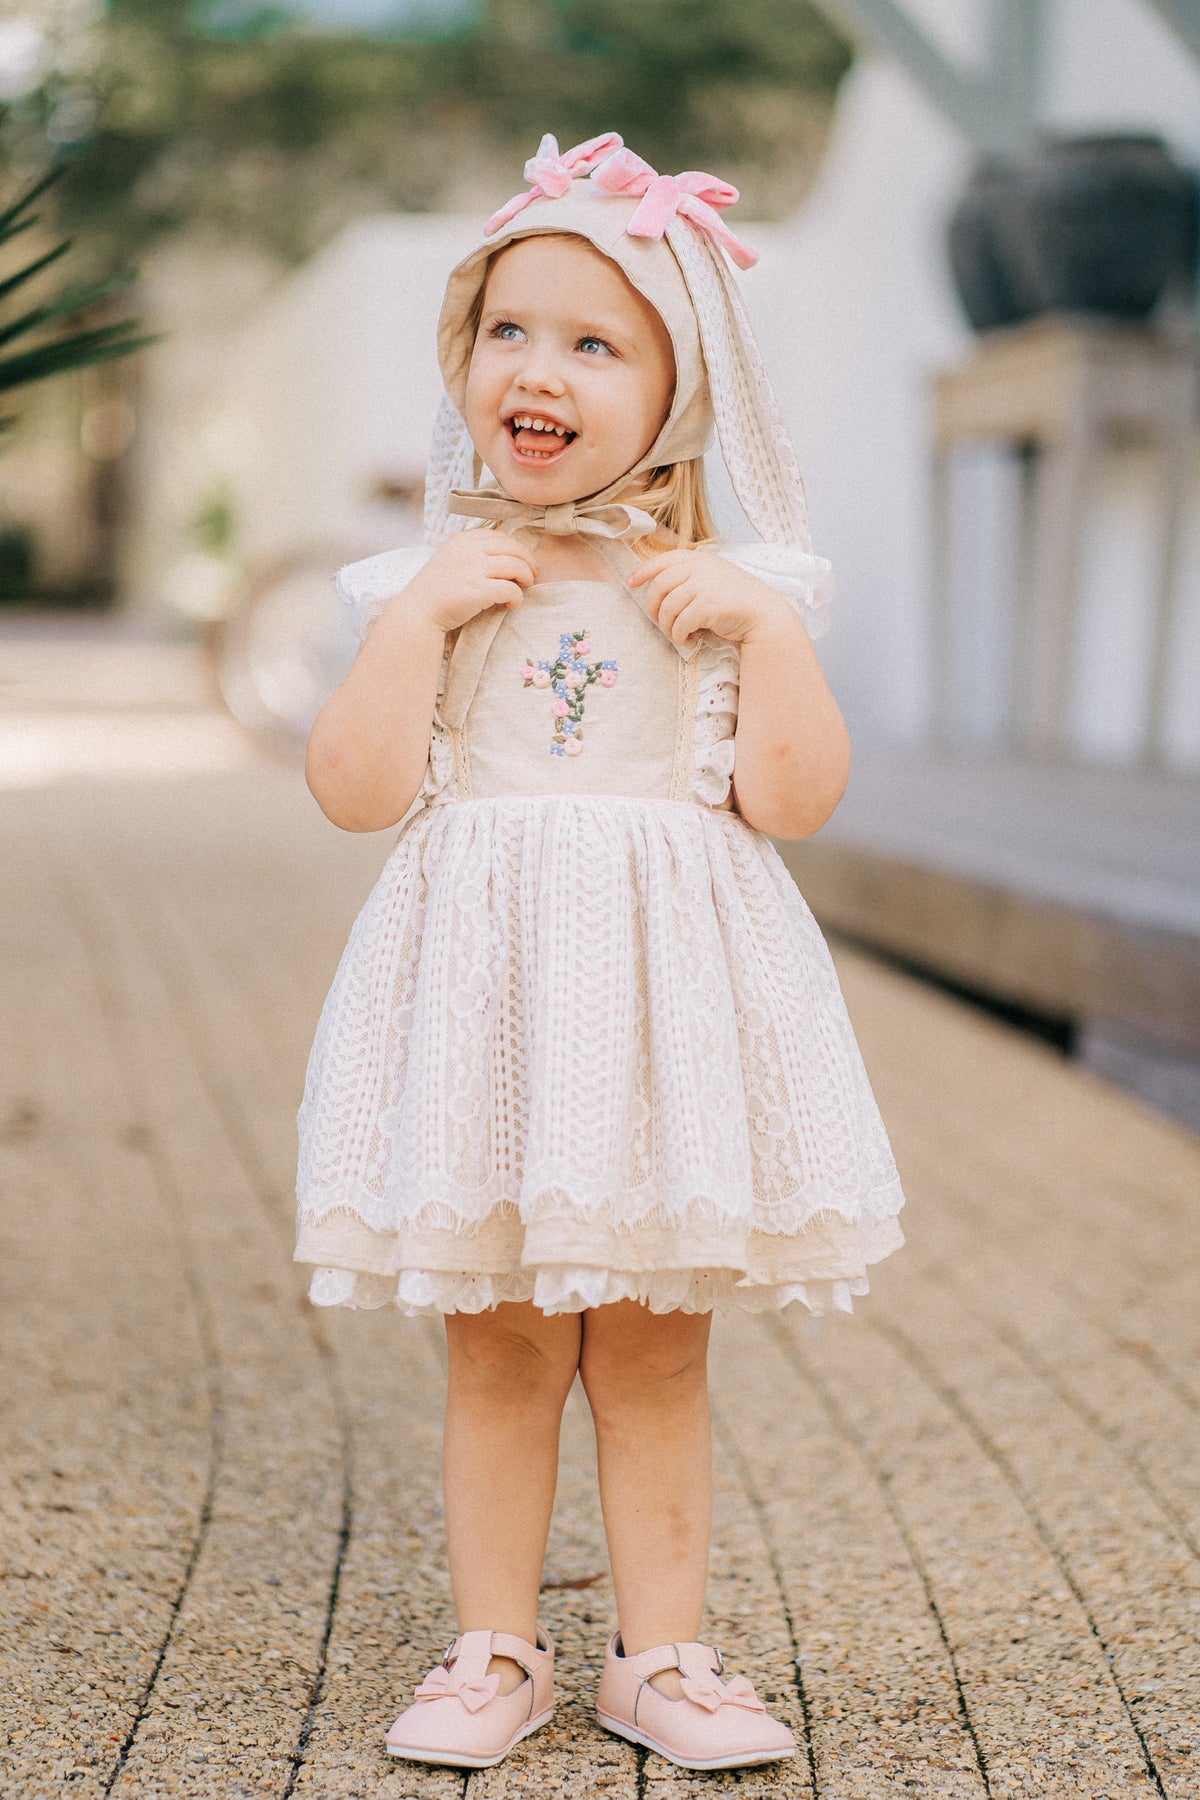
x: 467, y: 657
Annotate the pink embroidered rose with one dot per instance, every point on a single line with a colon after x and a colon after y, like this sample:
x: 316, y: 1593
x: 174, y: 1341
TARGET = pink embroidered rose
x: 608, y: 677
x: 572, y: 679
x: 582, y: 647
x: 541, y: 678
x: 572, y: 747
x: 560, y: 709
x: 528, y: 672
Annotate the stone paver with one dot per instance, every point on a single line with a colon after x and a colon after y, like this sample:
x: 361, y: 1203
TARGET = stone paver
x: 957, y: 1537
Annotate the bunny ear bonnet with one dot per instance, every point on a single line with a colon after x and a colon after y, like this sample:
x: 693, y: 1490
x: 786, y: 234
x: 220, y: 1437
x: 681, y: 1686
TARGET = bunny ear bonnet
x: 666, y: 234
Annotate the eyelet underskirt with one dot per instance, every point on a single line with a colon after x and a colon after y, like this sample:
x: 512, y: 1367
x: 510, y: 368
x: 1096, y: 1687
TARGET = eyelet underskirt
x: 586, y: 1048
x: 419, y: 1292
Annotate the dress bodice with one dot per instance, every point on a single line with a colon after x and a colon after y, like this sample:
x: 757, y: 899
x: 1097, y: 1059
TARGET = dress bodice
x: 663, y: 727
x: 576, y: 691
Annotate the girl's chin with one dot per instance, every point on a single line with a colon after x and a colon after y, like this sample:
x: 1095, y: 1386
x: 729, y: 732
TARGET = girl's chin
x: 544, y: 487
x: 552, y: 483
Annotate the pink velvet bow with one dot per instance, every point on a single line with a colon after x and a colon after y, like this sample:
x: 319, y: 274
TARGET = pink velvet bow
x: 711, y: 1693
x: 443, y: 1681
x: 550, y: 174
x: 693, y: 195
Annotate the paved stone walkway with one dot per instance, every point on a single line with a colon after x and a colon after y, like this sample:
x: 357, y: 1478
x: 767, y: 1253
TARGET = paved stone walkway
x: 957, y: 1536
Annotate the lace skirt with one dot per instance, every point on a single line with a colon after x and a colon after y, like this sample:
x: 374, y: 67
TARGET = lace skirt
x: 582, y: 1049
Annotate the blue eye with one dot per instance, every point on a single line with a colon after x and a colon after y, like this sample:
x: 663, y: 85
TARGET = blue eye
x: 599, y: 344
x: 507, y: 331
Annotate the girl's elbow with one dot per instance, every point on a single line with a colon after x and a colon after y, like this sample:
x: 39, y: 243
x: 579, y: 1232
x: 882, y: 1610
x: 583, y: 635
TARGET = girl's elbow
x: 821, y: 795
x: 347, y: 802
x: 800, y: 818
x: 321, y: 774
x: 798, y: 801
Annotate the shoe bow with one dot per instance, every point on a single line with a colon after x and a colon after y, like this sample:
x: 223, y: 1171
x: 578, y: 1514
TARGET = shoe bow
x: 711, y: 1693
x: 474, y: 1693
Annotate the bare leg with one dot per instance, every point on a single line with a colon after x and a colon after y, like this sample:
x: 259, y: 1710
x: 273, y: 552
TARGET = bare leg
x: 646, y: 1380
x: 510, y: 1373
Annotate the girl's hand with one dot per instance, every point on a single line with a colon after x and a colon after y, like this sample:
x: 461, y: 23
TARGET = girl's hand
x: 697, y: 590
x: 468, y: 573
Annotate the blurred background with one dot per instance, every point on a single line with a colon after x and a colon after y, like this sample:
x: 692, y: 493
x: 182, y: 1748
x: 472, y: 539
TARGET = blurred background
x: 226, y: 228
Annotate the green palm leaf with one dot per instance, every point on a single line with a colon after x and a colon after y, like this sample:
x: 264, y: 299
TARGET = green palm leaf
x: 56, y: 353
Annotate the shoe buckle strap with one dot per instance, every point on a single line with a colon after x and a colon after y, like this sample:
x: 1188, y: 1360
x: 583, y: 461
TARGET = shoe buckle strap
x: 515, y: 1649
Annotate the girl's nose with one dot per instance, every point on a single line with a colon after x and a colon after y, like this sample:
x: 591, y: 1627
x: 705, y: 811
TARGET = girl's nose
x: 540, y: 377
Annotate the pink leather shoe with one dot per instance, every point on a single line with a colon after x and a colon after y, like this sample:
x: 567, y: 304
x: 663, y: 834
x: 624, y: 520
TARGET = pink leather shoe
x: 459, y: 1715
x: 718, y: 1725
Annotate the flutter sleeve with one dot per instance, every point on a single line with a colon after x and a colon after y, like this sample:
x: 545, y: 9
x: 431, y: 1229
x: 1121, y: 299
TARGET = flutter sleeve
x: 366, y: 586
x: 716, y: 721
x: 804, y: 580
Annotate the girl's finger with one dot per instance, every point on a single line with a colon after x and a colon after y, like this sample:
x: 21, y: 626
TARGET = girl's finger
x: 502, y: 541
x: 664, y: 583
x: 680, y: 598
x: 686, y: 623
x: 654, y: 565
x: 510, y: 568
x: 508, y: 549
x: 673, y: 589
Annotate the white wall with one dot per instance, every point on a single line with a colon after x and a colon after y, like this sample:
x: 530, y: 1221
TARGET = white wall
x: 337, y: 378
x: 1116, y: 64
x: 853, y: 307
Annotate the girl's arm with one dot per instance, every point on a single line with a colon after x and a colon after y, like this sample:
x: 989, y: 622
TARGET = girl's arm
x: 792, y: 749
x: 369, y: 745
x: 792, y: 754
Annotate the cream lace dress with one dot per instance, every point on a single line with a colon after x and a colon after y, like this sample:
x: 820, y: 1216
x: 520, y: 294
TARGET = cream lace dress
x: 586, y: 1041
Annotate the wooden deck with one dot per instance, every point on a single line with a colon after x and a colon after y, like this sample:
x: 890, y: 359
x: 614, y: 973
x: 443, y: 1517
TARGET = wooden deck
x: 957, y: 1535
x: 1071, y: 892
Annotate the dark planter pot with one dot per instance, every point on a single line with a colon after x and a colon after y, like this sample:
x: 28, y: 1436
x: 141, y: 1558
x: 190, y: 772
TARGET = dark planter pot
x: 1098, y: 225
x: 977, y: 258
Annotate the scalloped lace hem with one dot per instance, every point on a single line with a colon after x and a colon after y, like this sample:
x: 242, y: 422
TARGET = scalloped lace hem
x: 353, y: 1207
x: 418, y: 1292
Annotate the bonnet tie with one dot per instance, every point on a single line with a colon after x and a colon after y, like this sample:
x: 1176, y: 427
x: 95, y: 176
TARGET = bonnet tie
x: 605, y: 519
x: 693, y: 195
x: 613, y: 522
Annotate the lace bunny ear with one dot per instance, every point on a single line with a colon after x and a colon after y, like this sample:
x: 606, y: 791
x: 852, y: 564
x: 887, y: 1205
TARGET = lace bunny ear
x: 755, y: 444
x: 451, y: 464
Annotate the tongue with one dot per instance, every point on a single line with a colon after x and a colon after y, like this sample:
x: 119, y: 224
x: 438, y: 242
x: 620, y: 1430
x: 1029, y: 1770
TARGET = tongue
x: 538, y: 440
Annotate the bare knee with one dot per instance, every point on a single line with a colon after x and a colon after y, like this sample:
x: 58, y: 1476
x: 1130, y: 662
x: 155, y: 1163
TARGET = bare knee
x: 525, y: 1361
x: 642, y: 1362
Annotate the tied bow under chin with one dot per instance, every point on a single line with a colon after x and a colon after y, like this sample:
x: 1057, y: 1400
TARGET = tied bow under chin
x: 693, y: 195
x: 474, y: 1693
x: 550, y: 175
x: 612, y: 519
x: 710, y: 1693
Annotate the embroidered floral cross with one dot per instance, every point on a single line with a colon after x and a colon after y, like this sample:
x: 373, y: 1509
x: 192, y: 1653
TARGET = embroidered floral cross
x: 569, y: 677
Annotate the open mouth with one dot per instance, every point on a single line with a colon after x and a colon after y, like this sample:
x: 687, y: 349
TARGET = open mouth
x: 538, y: 439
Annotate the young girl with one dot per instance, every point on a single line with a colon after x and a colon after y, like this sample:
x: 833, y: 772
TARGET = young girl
x: 585, y: 1074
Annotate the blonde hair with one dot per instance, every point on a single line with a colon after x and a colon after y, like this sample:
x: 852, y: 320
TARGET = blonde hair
x: 676, y: 498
